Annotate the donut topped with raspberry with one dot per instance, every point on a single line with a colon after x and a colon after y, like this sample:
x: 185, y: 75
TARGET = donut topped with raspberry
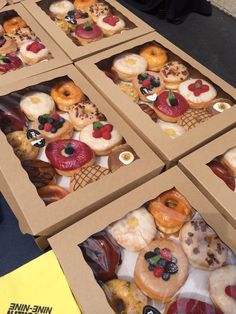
x: 101, y: 136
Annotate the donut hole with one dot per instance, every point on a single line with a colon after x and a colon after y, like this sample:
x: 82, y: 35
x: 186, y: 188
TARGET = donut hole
x: 66, y: 93
x: 170, y: 203
x: 204, y: 241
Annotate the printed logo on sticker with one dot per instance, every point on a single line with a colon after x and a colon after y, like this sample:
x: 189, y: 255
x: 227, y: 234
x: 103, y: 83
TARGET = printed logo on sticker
x: 16, y: 308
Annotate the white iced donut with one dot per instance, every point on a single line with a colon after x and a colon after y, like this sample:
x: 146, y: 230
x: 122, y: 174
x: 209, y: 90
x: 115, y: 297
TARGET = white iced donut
x: 202, y: 246
x: 36, y: 104
x: 129, y: 65
x: 102, y: 139
x: 33, y: 52
x: 172, y: 129
x: 110, y: 24
x: 220, y: 283
x: 60, y: 9
x: 135, y: 231
x: 199, y: 93
x: 229, y: 159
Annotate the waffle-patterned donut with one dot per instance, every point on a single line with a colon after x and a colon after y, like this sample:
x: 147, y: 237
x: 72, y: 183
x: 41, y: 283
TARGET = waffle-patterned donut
x: 193, y: 117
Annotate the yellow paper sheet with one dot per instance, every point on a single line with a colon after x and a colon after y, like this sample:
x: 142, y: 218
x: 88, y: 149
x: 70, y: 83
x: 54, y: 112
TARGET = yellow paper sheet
x: 39, y: 287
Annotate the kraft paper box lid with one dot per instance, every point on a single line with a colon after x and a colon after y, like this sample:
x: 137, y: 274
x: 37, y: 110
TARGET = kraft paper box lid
x: 2, y: 3
x: 65, y: 244
x: 195, y: 166
x: 39, y: 220
x: 58, y: 59
x: 169, y: 149
x: 37, y: 287
x: 77, y: 52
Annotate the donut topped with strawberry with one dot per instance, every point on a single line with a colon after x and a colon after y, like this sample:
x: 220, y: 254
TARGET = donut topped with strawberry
x: 101, y: 136
x: 198, y: 92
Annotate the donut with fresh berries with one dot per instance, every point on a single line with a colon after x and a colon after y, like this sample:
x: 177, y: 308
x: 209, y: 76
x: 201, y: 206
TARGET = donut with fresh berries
x: 101, y: 136
x: 53, y: 127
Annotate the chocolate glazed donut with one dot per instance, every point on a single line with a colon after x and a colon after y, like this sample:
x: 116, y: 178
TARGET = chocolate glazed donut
x: 102, y: 254
x: 223, y: 173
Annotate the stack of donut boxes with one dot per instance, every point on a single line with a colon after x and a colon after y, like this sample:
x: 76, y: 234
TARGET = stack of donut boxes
x: 164, y: 162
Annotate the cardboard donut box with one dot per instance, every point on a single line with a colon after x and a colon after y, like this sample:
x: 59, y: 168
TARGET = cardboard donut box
x: 215, y: 189
x: 42, y: 221
x: 2, y: 3
x: 170, y: 150
x: 58, y: 57
x: 136, y: 27
x: 65, y: 244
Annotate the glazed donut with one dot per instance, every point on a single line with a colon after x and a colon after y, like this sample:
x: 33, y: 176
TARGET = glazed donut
x: 219, y: 105
x: 13, y: 24
x: 102, y: 137
x: 170, y: 106
x: 161, y: 270
x: 174, y: 73
x: 53, y: 127
x: 51, y: 193
x: 110, y: 24
x: 22, y: 146
x: 198, y: 93
x: 87, y: 33
x: 98, y: 9
x: 7, y: 45
x: 190, y: 306
x: 83, y: 4
x: 40, y: 173
x: 171, y: 211
x: 68, y: 156
x: 124, y: 296
x: 229, y: 159
x: 59, y: 9
x: 9, y: 63
x: 148, y: 85
x: 12, y: 119
x: 223, y: 173
x: 129, y: 65
x: 202, y: 246
x: 102, y: 254
x: 222, y: 287
x: 173, y: 130
x: 33, y: 52
x: 135, y: 231
x: 129, y: 90
x: 156, y: 57
x: 66, y: 95
x: 35, y: 104
x: 83, y: 114
x: 2, y: 31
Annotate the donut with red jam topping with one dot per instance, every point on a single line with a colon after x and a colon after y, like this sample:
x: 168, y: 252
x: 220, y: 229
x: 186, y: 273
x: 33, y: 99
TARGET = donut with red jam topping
x: 12, y: 119
x: 9, y: 63
x: 169, y: 106
x: 87, y: 33
x: 102, y: 254
x: 68, y: 156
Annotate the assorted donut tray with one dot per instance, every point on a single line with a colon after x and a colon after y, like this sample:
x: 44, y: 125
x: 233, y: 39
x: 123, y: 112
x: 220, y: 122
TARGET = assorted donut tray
x: 65, y: 141
x: 169, y: 254
x: 85, y: 27
x: 162, y: 87
x: 24, y: 47
x: 212, y: 168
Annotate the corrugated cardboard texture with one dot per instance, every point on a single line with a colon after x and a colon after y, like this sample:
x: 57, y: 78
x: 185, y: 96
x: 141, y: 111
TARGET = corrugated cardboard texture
x: 78, y: 52
x: 168, y: 149
x: 59, y: 57
x: 65, y: 244
x: 37, y: 219
x: 195, y: 166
